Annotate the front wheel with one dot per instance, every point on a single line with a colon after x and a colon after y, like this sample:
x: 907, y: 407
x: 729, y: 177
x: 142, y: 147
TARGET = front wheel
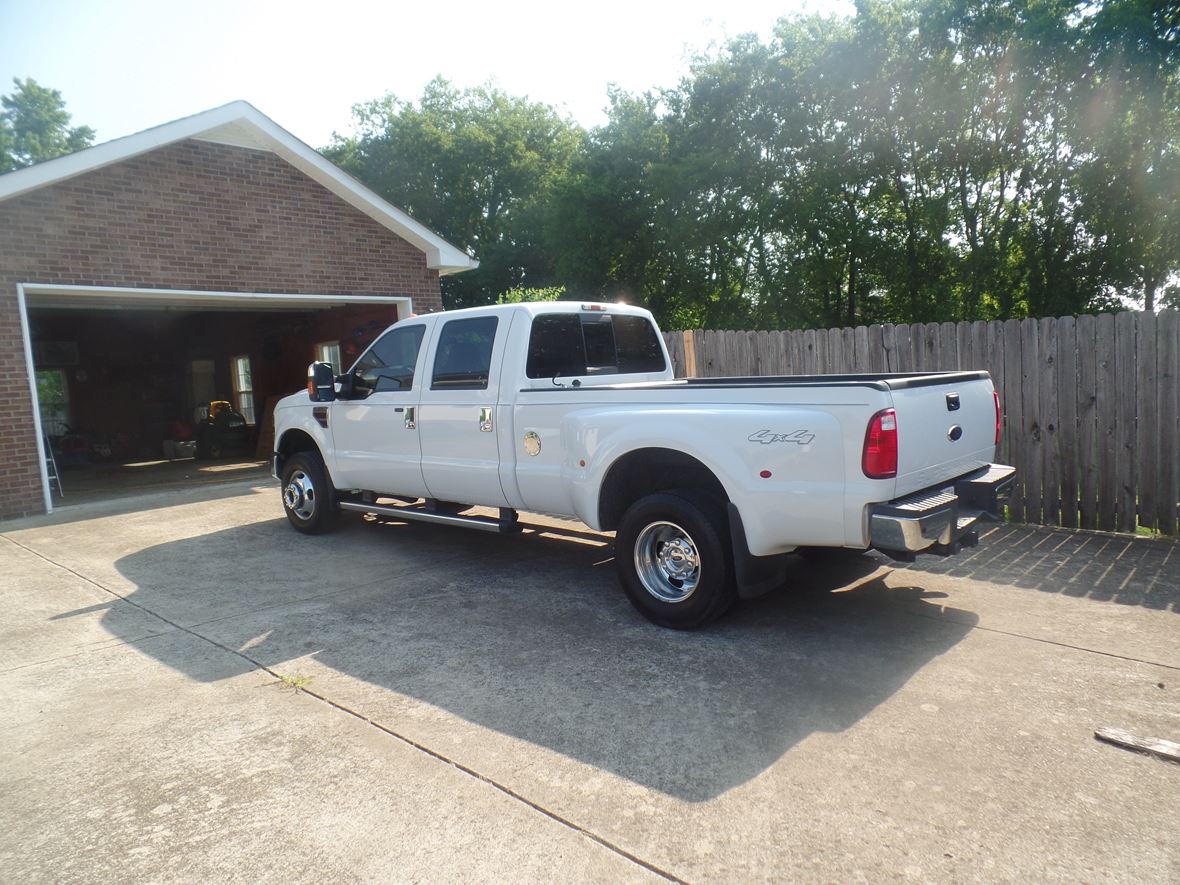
x: 308, y: 497
x: 674, y: 560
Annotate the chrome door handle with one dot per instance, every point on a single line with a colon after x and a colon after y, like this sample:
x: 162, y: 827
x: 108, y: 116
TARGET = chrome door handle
x: 485, y: 420
x: 410, y: 423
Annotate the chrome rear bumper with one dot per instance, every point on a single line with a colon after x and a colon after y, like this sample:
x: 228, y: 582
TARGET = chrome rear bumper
x: 942, y: 519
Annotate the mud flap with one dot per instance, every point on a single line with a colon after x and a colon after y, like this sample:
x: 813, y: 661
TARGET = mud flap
x: 755, y: 575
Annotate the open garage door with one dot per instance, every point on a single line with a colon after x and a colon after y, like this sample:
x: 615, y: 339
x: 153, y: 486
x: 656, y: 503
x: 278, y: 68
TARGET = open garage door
x: 145, y: 389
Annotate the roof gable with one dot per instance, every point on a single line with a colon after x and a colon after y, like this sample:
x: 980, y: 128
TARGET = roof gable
x: 240, y: 124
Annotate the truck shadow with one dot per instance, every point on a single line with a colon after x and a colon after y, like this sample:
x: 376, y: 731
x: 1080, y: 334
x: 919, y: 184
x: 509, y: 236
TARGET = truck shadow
x: 1122, y: 569
x: 530, y: 637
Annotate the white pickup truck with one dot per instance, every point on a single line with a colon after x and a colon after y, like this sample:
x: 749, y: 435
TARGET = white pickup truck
x: 573, y: 410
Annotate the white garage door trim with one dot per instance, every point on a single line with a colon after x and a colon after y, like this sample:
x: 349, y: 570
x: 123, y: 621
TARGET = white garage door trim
x: 114, y: 297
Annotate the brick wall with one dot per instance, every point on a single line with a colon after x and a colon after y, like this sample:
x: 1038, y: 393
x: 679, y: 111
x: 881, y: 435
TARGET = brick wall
x: 193, y: 215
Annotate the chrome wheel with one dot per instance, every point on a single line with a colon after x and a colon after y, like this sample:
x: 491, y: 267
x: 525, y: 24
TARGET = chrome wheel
x: 667, y: 562
x: 299, y: 495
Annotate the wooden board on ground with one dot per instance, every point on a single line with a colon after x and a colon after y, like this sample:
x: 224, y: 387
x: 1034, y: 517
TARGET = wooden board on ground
x: 1169, y: 750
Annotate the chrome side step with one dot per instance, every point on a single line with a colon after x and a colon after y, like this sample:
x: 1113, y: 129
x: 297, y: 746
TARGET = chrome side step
x: 506, y: 524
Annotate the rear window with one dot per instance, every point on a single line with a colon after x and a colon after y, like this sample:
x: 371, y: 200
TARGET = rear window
x: 571, y: 344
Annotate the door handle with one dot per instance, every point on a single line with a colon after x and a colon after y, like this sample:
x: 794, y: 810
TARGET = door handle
x: 410, y: 423
x: 485, y: 420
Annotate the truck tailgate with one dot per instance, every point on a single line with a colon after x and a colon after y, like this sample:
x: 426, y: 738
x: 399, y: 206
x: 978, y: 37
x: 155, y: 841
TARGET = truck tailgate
x: 945, y: 429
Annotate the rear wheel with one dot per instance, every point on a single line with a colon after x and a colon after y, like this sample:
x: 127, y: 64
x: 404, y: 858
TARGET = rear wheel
x: 674, y: 561
x: 308, y: 497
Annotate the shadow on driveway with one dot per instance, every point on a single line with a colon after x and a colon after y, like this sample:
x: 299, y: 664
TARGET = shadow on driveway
x: 530, y: 636
x: 1104, y: 567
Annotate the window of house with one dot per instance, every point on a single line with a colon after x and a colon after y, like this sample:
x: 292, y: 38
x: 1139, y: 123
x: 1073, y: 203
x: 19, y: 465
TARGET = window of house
x: 464, y: 357
x: 570, y: 344
x: 389, y: 363
x: 54, y: 400
x: 329, y: 352
x: 243, y: 387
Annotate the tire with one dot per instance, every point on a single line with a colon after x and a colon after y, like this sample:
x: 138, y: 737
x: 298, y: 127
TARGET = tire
x: 309, y: 500
x: 688, y: 585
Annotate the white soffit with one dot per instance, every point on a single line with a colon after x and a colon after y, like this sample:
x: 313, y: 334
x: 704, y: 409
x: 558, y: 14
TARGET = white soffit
x: 52, y: 297
x: 240, y: 124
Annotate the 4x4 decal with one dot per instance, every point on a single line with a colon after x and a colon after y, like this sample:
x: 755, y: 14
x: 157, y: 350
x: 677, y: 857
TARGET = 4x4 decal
x: 765, y: 437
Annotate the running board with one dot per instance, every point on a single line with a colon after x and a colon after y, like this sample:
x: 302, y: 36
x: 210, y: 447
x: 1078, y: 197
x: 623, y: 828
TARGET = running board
x: 506, y: 524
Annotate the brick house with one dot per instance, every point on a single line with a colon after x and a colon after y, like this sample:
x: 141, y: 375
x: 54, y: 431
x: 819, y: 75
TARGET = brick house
x: 209, y: 258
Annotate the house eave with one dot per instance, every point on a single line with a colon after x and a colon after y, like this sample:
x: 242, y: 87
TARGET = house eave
x: 248, y: 124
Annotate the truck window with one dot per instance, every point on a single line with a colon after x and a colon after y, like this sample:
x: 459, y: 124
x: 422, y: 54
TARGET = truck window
x: 567, y: 344
x: 556, y: 347
x: 389, y: 363
x: 599, y: 334
x: 639, y: 345
x: 464, y: 357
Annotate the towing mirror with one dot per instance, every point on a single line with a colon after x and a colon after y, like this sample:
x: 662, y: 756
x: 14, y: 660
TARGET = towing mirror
x: 321, y: 383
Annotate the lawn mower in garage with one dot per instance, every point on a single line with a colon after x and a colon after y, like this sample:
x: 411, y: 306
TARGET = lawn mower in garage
x: 221, y: 431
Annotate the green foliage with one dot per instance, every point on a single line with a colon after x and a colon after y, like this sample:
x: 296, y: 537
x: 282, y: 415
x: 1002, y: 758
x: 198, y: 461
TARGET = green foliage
x: 478, y: 166
x: 521, y: 295
x: 34, y: 126
x: 925, y: 160
x: 51, y: 386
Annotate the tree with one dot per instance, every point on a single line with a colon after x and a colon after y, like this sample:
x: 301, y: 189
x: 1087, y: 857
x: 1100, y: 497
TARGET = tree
x: 35, y: 126
x: 477, y: 165
x: 1131, y: 132
x: 522, y: 296
x: 921, y: 161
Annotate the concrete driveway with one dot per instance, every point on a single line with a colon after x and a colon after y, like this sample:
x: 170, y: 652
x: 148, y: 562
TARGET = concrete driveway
x: 193, y: 691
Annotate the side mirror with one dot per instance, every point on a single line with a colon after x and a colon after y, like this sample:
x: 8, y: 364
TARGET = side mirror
x: 321, y: 383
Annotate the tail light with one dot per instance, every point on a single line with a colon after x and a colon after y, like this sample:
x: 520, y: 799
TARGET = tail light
x: 996, y: 394
x: 879, y: 460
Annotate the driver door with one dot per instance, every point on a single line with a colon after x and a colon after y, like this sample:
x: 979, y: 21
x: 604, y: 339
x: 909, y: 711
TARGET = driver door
x: 374, y: 431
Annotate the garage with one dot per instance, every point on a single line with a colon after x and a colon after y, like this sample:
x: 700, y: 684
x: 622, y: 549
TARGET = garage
x: 160, y: 292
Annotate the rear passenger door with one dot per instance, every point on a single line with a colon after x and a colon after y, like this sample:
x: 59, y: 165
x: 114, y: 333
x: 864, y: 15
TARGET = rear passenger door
x: 458, y: 415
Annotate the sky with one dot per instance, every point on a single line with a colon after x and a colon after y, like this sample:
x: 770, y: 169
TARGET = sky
x: 126, y: 65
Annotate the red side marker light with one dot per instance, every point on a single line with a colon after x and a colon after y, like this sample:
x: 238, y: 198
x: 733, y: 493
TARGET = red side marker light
x: 766, y: 474
x: 879, y: 458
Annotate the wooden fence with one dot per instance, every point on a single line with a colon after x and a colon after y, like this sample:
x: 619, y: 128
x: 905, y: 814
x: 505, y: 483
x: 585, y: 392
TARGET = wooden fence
x: 1090, y: 403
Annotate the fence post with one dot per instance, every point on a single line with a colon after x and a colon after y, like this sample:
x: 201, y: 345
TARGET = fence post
x: 690, y: 355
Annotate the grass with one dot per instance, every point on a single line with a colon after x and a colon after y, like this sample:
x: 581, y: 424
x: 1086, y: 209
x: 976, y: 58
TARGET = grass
x: 293, y: 681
